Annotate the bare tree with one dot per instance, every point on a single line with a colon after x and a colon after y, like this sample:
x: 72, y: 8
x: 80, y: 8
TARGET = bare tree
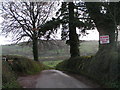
x: 25, y: 19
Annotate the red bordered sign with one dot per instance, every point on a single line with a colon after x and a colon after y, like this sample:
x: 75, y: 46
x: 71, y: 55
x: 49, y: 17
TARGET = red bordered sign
x: 104, y: 39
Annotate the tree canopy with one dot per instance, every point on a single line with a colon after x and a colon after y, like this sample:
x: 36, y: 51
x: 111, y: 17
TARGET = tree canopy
x: 25, y: 19
x: 71, y: 16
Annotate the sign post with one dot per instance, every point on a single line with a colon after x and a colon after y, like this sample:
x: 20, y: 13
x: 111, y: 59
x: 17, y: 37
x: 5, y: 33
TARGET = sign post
x: 104, y: 39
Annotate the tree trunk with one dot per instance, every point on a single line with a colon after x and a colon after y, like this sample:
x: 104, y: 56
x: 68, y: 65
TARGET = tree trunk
x: 107, y: 54
x: 73, y: 37
x: 107, y: 30
x: 35, y: 49
x: 105, y: 25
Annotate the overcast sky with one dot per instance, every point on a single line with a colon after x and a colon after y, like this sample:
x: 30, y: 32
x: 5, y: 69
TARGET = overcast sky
x: 93, y: 35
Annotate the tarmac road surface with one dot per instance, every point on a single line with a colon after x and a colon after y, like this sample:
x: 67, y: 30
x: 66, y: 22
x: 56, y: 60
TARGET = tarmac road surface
x: 52, y: 79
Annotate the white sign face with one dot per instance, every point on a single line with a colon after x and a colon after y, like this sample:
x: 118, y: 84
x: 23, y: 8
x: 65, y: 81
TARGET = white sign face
x: 104, y: 39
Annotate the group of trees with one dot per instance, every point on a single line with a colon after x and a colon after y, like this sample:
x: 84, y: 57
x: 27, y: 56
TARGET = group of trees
x: 31, y: 19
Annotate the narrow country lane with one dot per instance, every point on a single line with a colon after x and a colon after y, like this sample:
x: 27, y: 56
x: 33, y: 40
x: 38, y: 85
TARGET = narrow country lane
x: 51, y: 79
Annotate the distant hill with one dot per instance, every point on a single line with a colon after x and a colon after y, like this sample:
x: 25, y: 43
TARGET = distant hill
x: 46, y: 48
x: 49, y: 49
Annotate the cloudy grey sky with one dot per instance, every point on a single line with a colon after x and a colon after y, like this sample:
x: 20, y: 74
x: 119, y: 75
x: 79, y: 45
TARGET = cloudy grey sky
x: 93, y: 35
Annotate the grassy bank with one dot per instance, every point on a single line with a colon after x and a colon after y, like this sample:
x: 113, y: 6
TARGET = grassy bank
x: 16, y: 67
x: 82, y: 65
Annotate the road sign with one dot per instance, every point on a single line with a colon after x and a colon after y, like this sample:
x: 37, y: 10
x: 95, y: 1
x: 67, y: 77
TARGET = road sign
x: 104, y: 39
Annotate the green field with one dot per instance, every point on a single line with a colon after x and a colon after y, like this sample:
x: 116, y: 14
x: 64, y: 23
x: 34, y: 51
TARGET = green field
x: 51, y: 64
x: 50, y: 50
x: 89, y: 48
